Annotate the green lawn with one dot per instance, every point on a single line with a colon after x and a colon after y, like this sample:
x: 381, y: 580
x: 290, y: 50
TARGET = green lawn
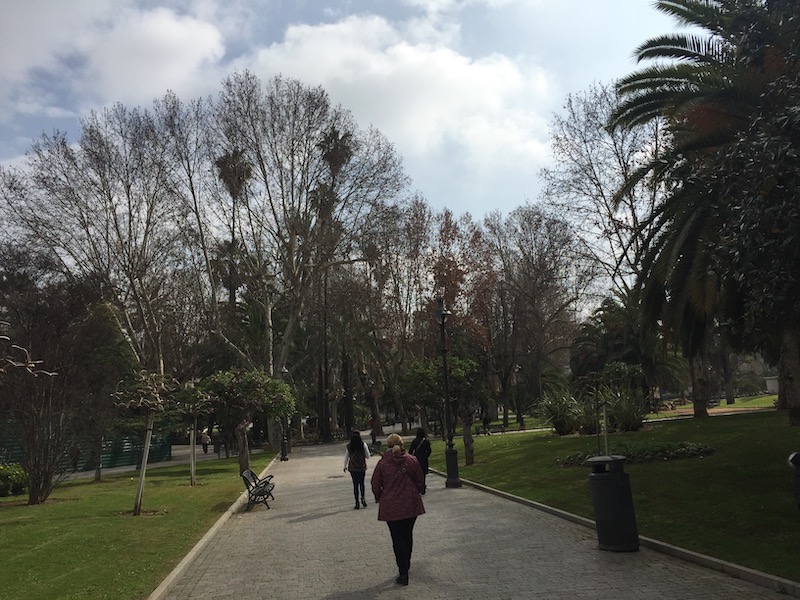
x: 736, y: 504
x: 84, y: 542
x: 763, y: 401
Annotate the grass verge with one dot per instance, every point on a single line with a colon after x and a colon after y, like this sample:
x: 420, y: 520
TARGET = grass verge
x: 736, y: 504
x: 84, y: 543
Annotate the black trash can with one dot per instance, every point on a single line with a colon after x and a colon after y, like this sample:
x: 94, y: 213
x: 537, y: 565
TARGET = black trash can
x: 613, y: 504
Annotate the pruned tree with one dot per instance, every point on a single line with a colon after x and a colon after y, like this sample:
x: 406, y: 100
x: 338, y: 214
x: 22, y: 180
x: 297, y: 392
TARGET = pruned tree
x: 150, y: 393
x: 316, y: 180
x: 240, y: 395
x: 193, y: 402
x: 396, y: 289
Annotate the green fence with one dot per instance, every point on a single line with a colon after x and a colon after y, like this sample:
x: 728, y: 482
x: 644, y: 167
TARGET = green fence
x: 120, y: 452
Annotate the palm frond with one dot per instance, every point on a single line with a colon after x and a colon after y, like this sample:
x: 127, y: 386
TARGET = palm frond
x: 705, y: 14
x: 693, y: 48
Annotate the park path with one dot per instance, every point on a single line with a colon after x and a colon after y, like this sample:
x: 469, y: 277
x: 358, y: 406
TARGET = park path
x: 470, y: 544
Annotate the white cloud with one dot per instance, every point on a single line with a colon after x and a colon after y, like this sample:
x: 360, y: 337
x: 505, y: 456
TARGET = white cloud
x: 423, y: 95
x: 146, y: 53
x: 443, y: 6
x: 236, y: 20
x: 36, y: 33
x: 36, y: 37
x: 59, y: 58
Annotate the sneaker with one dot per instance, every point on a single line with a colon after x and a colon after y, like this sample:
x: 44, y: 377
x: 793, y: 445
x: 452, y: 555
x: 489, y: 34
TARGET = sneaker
x: 363, y: 503
x: 356, y: 507
x: 402, y: 579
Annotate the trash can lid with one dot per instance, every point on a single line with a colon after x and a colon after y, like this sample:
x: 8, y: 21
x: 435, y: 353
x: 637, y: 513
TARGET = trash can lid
x: 608, y: 459
x: 794, y: 460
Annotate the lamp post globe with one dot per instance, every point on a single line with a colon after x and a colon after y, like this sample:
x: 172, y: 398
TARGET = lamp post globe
x: 450, y: 453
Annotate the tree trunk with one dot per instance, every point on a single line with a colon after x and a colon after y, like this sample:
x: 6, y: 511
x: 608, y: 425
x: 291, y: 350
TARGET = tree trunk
x: 405, y: 419
x: 148, y: 436
x: 297, y: 423
x: 286, y: 431
x: 781, y: 403
x: 97, y: 456
x: 227, y: 438
x: 192, y: 447
x: 349, y: 417
x: 790, y: 372
x: 469, y: 443
x: 727, y: 375
x: 377, y: 423
x: 241, y: 443
x: 699, y: 371
x: 274, y: 433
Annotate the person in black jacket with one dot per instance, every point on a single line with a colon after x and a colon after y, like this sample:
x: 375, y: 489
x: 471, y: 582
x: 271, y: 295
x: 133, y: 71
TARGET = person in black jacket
x: 421, y: 448
x: 355, y: 461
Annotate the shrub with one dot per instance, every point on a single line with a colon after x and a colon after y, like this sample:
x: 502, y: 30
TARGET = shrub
x: 560, y: 411
x: 749, y: 384
x: 628, y: 410
x: 588, y: 415
x: 645, y: 451
x: 13, y: 481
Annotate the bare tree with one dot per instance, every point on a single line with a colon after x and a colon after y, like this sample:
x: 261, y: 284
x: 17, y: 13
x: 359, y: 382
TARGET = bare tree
x: 316, y: 179
x: 592, y: 164
x: 542, y: 282
x: 107, y: 212
x: 38, y: 405
x: 398, y: 289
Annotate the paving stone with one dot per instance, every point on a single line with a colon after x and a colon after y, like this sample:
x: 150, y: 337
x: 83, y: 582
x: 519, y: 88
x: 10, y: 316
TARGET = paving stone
x: 312, y: 545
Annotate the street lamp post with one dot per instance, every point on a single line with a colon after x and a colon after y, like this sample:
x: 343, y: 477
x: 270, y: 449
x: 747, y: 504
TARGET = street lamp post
x: 284, y: 424
x: 450, y: 453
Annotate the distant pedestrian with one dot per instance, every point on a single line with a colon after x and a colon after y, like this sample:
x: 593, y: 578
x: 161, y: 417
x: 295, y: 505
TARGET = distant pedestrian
x: 421, y: 449
x: 205, y: 439
x: 397, y: 483
x: 355, y: 461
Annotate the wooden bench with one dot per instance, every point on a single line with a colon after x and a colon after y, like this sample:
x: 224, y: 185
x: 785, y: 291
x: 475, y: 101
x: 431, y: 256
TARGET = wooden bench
x: 258, y: 490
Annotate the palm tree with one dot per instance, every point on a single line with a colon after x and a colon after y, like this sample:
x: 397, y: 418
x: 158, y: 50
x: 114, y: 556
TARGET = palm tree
x: 614, y: 333
x: 718, y: 92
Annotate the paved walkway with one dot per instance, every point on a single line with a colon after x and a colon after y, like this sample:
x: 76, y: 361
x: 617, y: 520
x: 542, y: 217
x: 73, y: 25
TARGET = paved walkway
x: 470, y: 545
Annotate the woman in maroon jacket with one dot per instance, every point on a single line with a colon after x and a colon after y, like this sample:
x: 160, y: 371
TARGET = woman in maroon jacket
x: 397, y: 483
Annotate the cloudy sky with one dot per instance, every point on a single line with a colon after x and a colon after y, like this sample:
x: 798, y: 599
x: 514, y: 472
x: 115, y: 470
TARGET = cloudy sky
x: 465, y: 89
